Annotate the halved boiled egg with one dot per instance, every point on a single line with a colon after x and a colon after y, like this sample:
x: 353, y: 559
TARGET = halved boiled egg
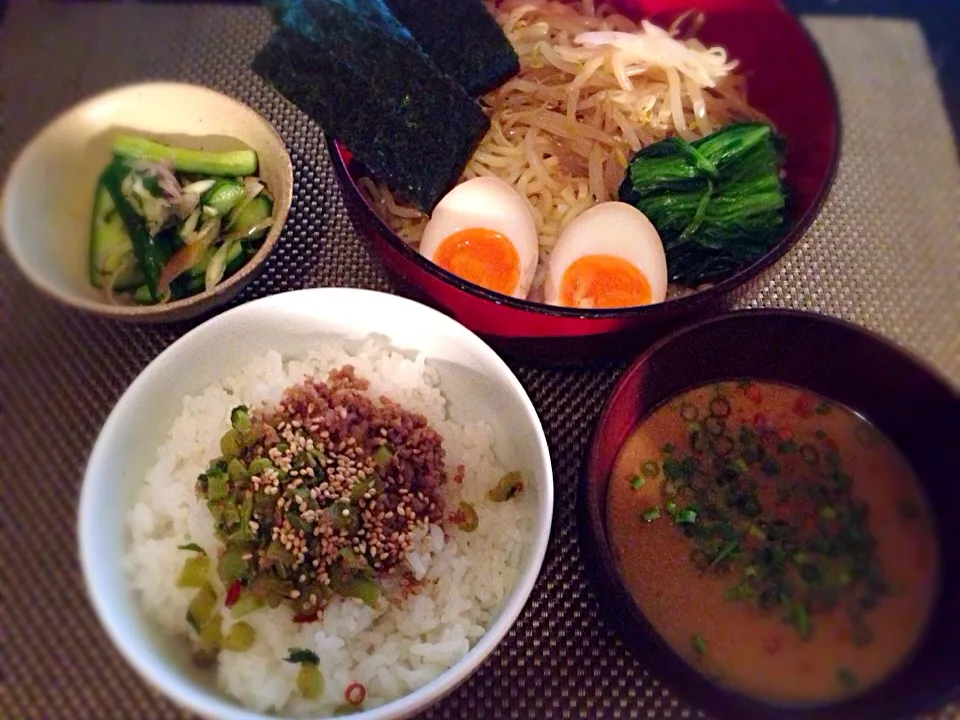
x: 609, y: 256
x: 484, y: 232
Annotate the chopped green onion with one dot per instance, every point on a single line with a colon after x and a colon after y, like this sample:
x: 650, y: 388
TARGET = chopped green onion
x: 192, y: 546
x: 671, y: 469
x: 650, y: 514
x: 685, y: 516
x: 823, y: 408
x: 846, y: 678
x: 667, y: 449
x: 636, y: 482
x: 725, y: 551
x: 698, y: 643
x: 828, y: 513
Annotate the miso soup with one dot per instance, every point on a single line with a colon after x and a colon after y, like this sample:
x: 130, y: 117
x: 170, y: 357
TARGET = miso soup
x: 776, y: 540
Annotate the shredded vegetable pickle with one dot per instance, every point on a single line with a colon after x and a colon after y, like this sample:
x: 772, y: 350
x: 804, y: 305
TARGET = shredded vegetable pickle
x: 172, y: 222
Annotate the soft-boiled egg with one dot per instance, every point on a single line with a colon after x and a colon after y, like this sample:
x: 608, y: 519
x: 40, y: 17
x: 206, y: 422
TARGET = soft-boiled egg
x: 483, y: 231
x: 609, y: 256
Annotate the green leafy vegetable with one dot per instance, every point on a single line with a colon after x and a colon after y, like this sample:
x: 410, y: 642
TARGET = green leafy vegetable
x: 717, y: 202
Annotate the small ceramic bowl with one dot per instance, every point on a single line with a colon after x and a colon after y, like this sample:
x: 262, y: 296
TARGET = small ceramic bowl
x: 47, y: 201
x: 775, y: 52
x: 476, y: 382
x: 918, y: 411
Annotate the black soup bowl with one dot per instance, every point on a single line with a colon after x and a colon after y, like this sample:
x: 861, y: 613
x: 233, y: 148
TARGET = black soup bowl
x: 909, y: 403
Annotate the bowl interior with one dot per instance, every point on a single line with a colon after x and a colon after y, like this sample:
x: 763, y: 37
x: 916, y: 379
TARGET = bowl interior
x: 775, y: 52
x: 476, y: 382
x: 908, y: 403
x: 48, y: 197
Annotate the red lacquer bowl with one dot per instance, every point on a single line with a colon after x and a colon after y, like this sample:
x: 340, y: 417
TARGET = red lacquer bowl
x: 918, y: 411
x: 787, y: 80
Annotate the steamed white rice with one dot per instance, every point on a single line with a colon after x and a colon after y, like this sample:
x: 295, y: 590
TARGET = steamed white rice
x: 392, y: 649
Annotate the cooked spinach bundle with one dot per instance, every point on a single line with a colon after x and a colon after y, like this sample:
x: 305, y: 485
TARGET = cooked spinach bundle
x: 716, y: 202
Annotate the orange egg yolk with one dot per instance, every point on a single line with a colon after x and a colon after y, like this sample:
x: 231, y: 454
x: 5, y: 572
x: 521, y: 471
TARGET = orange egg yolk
x: 603, y: 281
x: 482, y: 256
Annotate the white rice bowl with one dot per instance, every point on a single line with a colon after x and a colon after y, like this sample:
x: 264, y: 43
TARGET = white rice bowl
x: 393, y: 649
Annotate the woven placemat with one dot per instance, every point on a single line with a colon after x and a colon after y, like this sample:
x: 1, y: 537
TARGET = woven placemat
x: 884, y: 253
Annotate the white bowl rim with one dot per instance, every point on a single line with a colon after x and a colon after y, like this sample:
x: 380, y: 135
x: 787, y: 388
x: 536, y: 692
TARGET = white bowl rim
x: 191, y: 697
x: 142, y: 312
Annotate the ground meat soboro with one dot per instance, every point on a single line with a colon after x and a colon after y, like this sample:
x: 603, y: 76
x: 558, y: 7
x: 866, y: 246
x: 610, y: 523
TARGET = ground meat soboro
x: 321, y: 495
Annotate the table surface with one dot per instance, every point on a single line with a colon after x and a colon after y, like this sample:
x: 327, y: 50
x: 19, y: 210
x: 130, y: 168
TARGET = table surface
x: 884, y: 253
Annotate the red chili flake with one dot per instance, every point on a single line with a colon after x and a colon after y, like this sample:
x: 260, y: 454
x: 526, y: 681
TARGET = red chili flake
x: 803, y: 406
x: 773, y: 644
x: 753, y: 394
x: 355, y: 694
x: 783, y: 510
x: 785, y: 433
x: 307, y: 617
x: 458, y: 475
x: 457, y: 517
x: 808, y: 523
x: 233, y: 593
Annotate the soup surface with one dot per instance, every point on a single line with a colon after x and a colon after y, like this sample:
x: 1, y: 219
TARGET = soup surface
x: 778, y: 542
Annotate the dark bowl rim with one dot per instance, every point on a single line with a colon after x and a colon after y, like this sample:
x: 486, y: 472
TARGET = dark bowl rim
x: 682, y: 304
x: 591, y: 527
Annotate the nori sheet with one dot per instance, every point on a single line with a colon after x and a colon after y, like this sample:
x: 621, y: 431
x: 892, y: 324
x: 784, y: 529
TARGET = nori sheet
x: 463, y: 39
x: 380, y: 95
